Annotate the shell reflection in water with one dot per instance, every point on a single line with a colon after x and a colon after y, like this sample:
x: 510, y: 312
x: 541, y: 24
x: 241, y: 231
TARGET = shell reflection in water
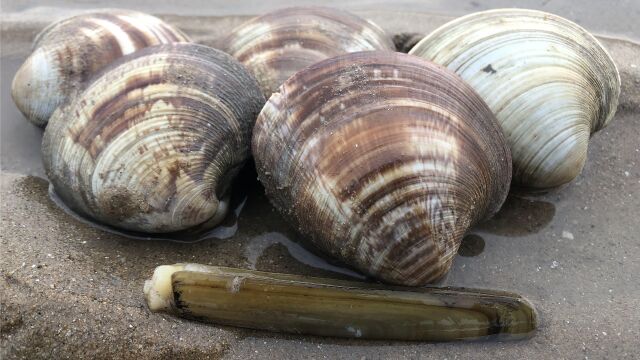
x: 67, y: 53
x: 383, y: 160
x: 549, y: 82
x: 276, y: 45
x: 153, y: 143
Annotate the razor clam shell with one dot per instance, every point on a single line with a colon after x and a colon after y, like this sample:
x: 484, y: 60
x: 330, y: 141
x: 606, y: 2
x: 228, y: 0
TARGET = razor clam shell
x: 327, y: 307
x: 383, y: 160
x: 67, y: 53
x: 276, y: 45
x: 152, y: 144
x: 549, y: 82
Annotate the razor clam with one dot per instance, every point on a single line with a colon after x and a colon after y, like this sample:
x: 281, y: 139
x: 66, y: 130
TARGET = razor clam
x: 328, y: 307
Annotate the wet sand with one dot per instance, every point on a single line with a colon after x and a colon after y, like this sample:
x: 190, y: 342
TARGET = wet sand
x: 71, y: 289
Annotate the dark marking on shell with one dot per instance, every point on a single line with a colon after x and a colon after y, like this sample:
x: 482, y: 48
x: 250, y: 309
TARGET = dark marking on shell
x: 489, y: 69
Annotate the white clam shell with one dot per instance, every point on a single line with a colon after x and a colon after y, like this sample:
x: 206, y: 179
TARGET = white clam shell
x: 548, y: 81
x: 66, y: 54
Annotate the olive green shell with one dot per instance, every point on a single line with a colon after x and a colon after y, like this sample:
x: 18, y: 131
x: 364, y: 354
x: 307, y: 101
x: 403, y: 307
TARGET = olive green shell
x: 328, y: 307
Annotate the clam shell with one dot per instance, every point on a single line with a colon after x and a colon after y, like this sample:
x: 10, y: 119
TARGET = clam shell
x: 548, y: 81
x: 153, y: 143
x: 383, y: 160
x: 276, y: 45
x: 67, y: 53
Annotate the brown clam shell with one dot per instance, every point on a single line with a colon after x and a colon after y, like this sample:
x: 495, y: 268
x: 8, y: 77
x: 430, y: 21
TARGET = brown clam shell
x: 276, y: 45
x: 69, y: 52
x: 383, y: 160
x: 153, y: 142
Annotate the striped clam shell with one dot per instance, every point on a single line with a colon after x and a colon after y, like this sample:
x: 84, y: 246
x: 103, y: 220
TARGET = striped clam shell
x: 548, y: 81
x: 383, y: 160
x: 67, y: 53
x: 276, y: 45
x: 153, y: 143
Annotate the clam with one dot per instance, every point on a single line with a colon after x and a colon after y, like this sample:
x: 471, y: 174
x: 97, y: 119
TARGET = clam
x: 329, y: 307
x: 276, y: 45
x: 549, y: 82
x: 383, y: 160
x: 152, y: 144
x: 67, y: 53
